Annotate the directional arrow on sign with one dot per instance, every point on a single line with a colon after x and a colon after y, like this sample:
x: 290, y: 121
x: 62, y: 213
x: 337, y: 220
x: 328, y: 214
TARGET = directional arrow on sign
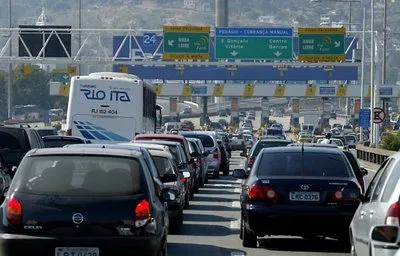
x: 277, y: 53
x: 234, y: 53
x: 171, y: 42
x: 337, y: 44
x: 66, y: 76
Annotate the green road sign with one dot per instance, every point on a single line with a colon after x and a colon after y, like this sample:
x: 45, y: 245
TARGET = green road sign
x: 60, y: 75
x: 321, y: 44
x: 254, y: 43
x: 186, y: 42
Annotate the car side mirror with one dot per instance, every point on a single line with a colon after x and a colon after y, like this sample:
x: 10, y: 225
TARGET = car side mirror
x: 14, y: 169
x: 385, y: 234
x: 243, y: 154
x: 167, y: 195
x: 168, y: 177
x: 182, y: 166
x: 364, y: 171
x: 186, y: 175
x: 240, y: 174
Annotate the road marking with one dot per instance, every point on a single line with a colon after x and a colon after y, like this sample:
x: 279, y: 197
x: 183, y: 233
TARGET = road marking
x: 238, y: 181
x: 237, y: 253
x: 237, y: 190
x: 222, y: 185
x: 235, y: 224
x: 236, y: 204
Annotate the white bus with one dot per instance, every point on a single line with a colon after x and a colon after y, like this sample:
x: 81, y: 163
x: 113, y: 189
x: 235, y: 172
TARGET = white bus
x: 109, y: 107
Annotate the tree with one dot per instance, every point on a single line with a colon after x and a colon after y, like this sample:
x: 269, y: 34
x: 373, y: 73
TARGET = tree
x: 31, y: 89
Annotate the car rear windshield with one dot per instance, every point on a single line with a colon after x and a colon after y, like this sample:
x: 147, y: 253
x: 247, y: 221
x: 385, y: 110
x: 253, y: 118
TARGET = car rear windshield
x: 274, y: 132
x: 70, y: 175
x: 163, y: 165
x: 303, y: 164
x: 350, y: 138
x: 206, y: 140
x: 46, y: 132
x: 269, y: 144
x: 59, y: 143
x: 11, y: 138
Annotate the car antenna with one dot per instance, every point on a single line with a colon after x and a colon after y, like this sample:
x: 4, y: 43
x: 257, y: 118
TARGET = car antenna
x: 302, y: 147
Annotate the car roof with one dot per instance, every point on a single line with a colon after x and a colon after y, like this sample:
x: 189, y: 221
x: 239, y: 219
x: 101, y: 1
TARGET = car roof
x: 305, y: 149
x: 151, y: 145
x: 160, y: 136
x: 158, y: 142
x: 63, y: 137
x: 125, y: 146
x: 273, y: 140
x: 211, y: 133
x: 316, y: 145
x: 45, y: 128
x: 90, y: 150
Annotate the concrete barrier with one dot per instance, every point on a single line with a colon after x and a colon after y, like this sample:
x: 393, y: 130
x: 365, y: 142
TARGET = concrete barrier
x: 373, y: 155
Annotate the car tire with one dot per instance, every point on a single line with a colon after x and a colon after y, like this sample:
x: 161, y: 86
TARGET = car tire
x: 187, y: 201
x: 226, y: 171
x: 249, y: 239
x: 345, y: 242
x: 216, y: 174
x: 241, y: 228
x: 164, y: 250
x: 176, y: 223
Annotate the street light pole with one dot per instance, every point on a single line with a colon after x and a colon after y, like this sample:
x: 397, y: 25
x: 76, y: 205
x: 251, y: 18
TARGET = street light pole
x: 347, y: 99
x: 362, y: 73
x: 9, y: 89
x: 372, y: 134
x: 384, y: 43
x: 80, y: 36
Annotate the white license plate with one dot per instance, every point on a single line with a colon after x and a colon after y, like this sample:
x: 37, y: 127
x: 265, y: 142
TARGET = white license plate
x: 304, y: 196
x: 77, y: 251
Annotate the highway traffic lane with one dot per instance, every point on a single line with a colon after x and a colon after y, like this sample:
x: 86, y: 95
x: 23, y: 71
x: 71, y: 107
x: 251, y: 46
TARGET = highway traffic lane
x: 212, y: 223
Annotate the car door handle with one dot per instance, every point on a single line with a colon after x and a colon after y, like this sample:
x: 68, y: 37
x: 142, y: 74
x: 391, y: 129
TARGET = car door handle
x: 371, y: 212
x: 362, y: 213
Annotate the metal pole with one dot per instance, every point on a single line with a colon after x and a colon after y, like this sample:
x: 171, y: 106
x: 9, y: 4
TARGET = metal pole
x: 372, y: 134
x: 384, y: 43
x: 9, y: 88
x: 221, y: 20
x: 362, y: 73
x: 80, y: 36
x: 348, y: 99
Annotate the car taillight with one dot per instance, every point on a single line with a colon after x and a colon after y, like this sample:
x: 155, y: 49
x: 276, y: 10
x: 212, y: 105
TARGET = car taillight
x: 258, y: 191
x: 393, y: 214
x: 216, y: 154
x: 362, y: 183
x: 14, y: 211
x: 142, y: 213
x: 184, y: 180
x: 251, y: 161
x: 68, y: 132
x: 343, y: 195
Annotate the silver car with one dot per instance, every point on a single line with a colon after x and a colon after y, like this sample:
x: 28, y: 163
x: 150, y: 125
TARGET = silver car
x: 379, y: 206
x: 209, y: 141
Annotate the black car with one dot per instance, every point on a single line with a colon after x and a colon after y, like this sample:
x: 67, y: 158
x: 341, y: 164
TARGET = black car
x: 59, y: 141
x: 16, y: 140
x: 298, y: 191
x: 173, y: 180
x: 75, y: 201
x: 227, y: 142
x: 224, y: 166
x: 5, y: 178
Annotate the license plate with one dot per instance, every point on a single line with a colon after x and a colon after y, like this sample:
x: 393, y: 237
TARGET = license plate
x: 77, y: 251
x: 304, y: 196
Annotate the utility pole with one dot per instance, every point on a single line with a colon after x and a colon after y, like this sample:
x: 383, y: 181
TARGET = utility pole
x: 9, y: 88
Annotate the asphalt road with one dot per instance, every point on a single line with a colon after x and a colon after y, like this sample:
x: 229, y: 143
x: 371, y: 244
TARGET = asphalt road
x: 211, y: 226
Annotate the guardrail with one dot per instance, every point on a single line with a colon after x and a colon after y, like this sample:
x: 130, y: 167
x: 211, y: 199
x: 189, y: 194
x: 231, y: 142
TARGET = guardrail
x: 373, y: 155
